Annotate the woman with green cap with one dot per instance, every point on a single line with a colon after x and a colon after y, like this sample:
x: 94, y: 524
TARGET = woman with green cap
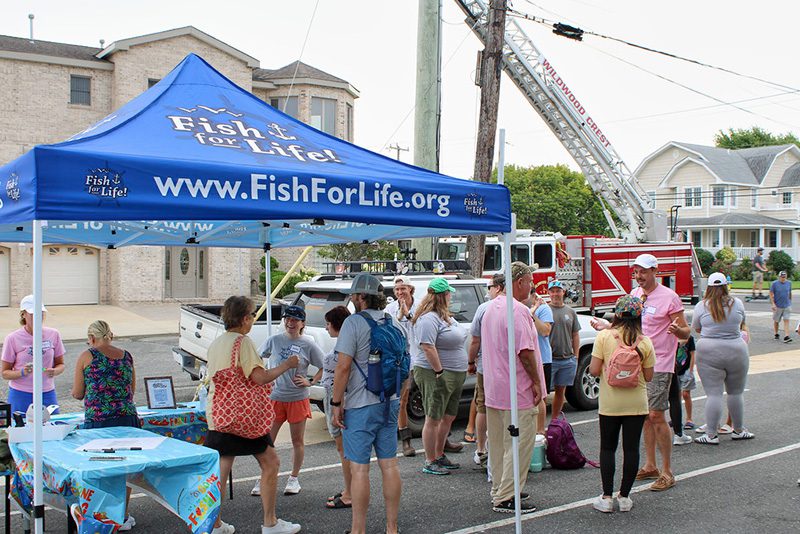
x: 439, y: 371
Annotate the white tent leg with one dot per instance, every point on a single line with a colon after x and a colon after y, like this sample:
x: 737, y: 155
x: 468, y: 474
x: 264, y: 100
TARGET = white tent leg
x: 38, y: 479
x: 268, y: 284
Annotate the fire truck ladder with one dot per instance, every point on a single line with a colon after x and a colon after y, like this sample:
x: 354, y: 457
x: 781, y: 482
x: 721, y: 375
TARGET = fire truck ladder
x: 604, y: 170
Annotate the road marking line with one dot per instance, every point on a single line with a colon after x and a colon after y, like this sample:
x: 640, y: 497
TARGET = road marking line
x: 637, y: 489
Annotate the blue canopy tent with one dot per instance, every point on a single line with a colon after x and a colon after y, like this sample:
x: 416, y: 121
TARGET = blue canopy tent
x: 197, y: 160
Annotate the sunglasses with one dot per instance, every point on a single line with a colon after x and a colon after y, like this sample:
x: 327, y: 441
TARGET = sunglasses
x: 253, y: 314
x: 643, y: 298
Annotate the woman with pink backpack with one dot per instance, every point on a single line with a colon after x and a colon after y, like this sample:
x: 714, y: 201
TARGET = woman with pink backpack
x: 623, y: 358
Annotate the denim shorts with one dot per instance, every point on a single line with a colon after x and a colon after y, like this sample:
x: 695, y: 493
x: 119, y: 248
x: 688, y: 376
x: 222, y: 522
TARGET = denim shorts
x: 563, y: 371
x: 368, y: 427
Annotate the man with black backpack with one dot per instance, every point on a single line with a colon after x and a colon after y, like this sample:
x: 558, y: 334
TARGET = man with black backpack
x: 365, y: 406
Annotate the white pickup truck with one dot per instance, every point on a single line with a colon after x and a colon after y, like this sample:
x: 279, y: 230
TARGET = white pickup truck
x: 200, y: 325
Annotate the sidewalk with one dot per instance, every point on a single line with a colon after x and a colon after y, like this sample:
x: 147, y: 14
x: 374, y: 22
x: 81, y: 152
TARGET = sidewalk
x: 132, y: 320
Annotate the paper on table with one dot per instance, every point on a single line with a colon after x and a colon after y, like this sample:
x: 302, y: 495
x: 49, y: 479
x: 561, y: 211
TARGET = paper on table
x: 122, y: 443
x: 146, y: 412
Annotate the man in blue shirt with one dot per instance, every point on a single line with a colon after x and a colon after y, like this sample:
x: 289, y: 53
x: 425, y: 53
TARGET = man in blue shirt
x: 780, y: 295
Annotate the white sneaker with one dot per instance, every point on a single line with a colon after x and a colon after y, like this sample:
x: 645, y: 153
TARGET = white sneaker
x: 625, y: 503
x: 128, y: 524
x: 223, y: 528
x: 282, y: 527
x: 256, y: 491
x: 707, y: 440
x: 292, y: 486
x: 744, y: 434
x: 603, y: 505
x: 681, y: 440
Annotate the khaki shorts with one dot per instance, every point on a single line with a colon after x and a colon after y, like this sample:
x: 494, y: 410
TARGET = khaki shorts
x: 658, y: 392
x: 781, y: 314
x: 758, y: 276
x: 440, y: 396
x: 480, y: 394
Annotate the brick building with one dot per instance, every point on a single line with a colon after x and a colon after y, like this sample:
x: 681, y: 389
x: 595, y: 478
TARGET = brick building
x: 50, y: 91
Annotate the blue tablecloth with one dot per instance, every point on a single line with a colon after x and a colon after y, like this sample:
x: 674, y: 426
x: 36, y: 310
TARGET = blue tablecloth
x: 182, y: 476
x: 186, y: 424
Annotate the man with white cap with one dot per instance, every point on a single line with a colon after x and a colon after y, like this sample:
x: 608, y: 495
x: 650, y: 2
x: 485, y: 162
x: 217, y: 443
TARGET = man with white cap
x: 403, y: 309
x: 663, y: 321
x: 365, y: 422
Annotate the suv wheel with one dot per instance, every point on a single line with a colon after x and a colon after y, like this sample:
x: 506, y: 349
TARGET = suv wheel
x: 583, y: 394
x: 415, y: 411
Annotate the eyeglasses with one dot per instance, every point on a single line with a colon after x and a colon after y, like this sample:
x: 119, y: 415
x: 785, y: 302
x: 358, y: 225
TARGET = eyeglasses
x: 643, y: 298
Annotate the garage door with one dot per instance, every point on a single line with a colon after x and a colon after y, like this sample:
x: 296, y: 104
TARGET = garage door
x: 4, y: 293
x: 70, y: 275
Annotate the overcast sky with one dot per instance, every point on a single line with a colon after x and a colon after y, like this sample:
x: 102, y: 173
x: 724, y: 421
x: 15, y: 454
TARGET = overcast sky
x: 371, y: 44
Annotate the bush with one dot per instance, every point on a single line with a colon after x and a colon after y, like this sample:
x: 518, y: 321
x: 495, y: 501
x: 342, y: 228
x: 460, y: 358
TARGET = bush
x: 779, y: 261
x: 719, y: 266
x: 706, y: 259
x: 743, y: 271
x: 277, y: 275
x: 726, y: 255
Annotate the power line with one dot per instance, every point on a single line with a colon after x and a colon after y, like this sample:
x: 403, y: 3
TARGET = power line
x: 553, y: 25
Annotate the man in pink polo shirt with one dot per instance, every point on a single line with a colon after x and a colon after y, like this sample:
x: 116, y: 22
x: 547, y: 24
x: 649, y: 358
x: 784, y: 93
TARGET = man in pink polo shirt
x: 496, y: 378
x: 664, y: 323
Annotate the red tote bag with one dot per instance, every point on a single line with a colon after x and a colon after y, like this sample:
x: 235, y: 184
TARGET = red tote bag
x: 241, y: 406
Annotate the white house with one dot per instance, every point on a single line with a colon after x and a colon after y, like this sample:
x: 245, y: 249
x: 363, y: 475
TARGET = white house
x: 739, y: 198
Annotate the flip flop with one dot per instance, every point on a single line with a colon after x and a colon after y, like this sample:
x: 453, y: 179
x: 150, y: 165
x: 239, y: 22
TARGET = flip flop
x: 334, y: 497
x: 469, y: 437
x: 338, y: 503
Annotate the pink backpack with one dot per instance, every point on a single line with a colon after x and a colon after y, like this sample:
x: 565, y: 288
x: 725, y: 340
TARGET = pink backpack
x: 624, y: 365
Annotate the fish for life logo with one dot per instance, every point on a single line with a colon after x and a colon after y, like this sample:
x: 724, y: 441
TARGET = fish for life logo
x: 475, y: 205
x: 224, y: 128
x: 106, y: 184
x: 12, y: 188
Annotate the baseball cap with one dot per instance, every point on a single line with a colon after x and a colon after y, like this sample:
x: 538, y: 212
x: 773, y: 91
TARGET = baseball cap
x: 440, y: 285
x: 759, y: 249
x: 519, y: 269
x: 402, y: 279
x: 364, y: 283
x: 555, y: 283
x: 629, y: 305
x: 648, y: 261
x: 717, y: 279
x: 782, y: 273
x: 27, y: 304
x: 295, y: 312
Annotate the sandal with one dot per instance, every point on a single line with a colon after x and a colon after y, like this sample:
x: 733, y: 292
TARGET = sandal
x: 337, y: 502
x: 334, y: 497
x: 688, y: 425
x: 469, y: 437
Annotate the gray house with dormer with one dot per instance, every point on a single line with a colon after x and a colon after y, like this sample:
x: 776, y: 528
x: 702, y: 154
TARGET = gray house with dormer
x: 742, y: 198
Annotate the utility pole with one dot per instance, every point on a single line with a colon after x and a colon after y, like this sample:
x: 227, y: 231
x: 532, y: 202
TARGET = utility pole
x: 427, y: 108
x: 491, y: 66
x: 397, y: 148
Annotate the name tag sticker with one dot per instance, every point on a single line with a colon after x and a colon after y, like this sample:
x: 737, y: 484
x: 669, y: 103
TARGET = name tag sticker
x: 650, y: 309
x: 294, y: 349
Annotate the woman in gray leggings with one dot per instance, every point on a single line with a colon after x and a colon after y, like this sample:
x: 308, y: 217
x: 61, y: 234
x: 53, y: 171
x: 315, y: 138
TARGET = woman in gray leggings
x: 722, y: 357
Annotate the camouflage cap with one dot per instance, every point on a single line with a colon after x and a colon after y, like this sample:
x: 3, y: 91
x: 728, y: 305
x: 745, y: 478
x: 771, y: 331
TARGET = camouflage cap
x: 519, y: 269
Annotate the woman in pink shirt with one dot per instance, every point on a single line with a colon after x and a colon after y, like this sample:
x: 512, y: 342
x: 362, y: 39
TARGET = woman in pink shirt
x: 18, y: 360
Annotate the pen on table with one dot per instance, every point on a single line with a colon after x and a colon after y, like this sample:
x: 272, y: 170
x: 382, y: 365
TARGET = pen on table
x: 114, y: 450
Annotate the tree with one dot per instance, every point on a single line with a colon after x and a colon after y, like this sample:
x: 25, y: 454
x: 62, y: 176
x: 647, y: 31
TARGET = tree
x: 752, y: 137
x: 706, y: 259
x: 277, y: 275
x: 554, y: 198
x: 377, y: 250
x: 778, y: 261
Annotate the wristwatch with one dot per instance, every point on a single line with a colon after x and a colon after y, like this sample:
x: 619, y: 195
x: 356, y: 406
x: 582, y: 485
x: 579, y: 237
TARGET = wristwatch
x: 334, y: 403
x: 439, y: 373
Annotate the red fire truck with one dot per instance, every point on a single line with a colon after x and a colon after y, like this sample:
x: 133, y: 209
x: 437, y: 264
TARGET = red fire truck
x: 595, y: 269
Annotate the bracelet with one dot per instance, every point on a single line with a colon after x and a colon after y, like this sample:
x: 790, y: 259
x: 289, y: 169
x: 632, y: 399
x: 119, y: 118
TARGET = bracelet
x: 472, y: 363
x: 439, y: 373
x: 334, y: 403
x: 22, y: 372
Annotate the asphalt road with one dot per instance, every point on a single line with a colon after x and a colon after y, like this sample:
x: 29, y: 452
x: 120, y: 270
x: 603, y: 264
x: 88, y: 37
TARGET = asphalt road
x: 734, y: 487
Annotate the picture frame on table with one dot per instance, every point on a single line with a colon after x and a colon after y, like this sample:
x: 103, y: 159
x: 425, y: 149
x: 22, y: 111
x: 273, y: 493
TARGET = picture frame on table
x: 160, y: 392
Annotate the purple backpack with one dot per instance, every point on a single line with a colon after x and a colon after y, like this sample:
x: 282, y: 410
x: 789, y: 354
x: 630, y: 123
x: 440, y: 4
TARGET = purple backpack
x: 562, y: 449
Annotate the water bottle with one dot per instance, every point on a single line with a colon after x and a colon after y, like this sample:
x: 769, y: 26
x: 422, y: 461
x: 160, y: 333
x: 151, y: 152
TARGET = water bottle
x: 374, y: 371
x: 537, y: 458
x: 202, y: 396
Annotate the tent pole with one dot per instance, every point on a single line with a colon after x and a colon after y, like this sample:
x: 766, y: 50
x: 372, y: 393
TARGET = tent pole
x: 38, y: 480
x: 268, y: 285
x: 512, y: 350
